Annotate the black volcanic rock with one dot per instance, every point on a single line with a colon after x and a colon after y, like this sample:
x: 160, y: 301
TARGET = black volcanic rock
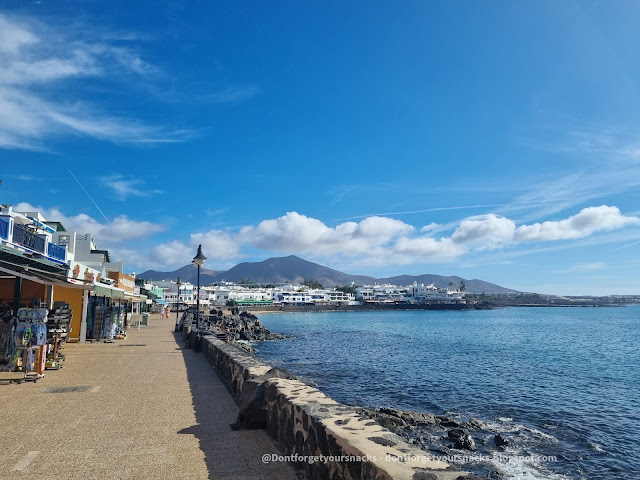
x: 500, y: 441
x: 241, y: 326
x: 461, y: 439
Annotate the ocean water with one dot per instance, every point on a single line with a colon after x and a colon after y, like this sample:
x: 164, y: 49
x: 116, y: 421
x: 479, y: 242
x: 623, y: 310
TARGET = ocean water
x: 559, y: 382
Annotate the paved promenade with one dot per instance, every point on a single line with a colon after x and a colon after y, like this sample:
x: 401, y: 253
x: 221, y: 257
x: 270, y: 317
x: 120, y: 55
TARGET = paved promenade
x: 142, y: 408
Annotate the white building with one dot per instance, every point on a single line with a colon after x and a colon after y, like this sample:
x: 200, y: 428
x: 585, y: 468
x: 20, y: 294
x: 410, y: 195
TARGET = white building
x: 386, y: 293
x: 431, y: 293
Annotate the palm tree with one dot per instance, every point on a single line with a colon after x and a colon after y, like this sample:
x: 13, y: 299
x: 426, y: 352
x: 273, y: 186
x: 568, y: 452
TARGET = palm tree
x: 462, y: 286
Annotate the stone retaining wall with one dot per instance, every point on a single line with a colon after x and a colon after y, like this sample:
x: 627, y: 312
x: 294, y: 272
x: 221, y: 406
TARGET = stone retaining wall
x: 306, y: 423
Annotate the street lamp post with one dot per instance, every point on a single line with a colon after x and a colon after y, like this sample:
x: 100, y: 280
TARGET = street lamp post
x: 178, y: 284
x: 198, y: 260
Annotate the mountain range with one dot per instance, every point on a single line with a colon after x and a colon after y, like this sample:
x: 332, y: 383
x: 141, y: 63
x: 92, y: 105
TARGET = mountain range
x: 293, y: 269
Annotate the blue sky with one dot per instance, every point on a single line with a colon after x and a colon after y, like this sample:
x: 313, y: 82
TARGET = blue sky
x: 491, y: 140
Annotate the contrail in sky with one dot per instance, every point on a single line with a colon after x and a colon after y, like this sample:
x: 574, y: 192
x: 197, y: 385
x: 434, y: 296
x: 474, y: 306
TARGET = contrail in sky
x: 627, y: 246
x: 83, y: 189
x: 438, y: 209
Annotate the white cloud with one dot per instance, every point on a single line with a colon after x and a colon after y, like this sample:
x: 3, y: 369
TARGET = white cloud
x: 124, y: 188
x: 381, y: 229
x: 375, y: 241
x: 116, y: 231
x: 170, y: 254
x: 36, y: 60
x: 485, y: 233
x: 428, y: 248
x: 429, y: 228
x: 299, y: 233
x: 590, y: 220
x: 13, y: 37
x: 216, y: 243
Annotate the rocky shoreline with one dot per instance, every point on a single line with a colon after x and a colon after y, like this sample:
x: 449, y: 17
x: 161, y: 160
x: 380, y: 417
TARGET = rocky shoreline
x: 232, y: 327
x: 436, y: 435
x: 366, y: 307
x: 445, y: 435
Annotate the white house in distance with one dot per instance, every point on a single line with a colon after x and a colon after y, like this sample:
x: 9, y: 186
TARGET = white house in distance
x: 431, y: 293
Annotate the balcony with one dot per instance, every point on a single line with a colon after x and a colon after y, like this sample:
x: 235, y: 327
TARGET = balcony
x: 4, y: 229
x: 27, y: 239
x: 56, y: 251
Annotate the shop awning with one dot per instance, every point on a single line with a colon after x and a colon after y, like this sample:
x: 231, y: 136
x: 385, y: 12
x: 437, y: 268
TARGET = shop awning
x: 108, y: 291
x: 77, y: 283
x: 20, y: 264
x: 134, y: 297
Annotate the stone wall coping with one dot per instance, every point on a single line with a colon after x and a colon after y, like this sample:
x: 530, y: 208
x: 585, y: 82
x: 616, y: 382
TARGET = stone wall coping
x: 355, y: 434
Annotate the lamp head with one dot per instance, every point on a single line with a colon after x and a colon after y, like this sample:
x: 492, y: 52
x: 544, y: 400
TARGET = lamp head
x: 199, y: 259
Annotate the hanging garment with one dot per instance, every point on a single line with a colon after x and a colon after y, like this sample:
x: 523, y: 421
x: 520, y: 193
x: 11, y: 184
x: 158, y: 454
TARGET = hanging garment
x: 23, y: 334
x: 39, y: 333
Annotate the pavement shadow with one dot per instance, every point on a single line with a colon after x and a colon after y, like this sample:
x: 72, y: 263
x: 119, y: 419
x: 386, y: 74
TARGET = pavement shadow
x: 229, y: 453
x: 213, y: 408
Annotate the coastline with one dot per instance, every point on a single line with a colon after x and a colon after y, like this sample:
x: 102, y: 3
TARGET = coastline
x: 372, y: 307
x: 474, y: 369
x: 307, y: 424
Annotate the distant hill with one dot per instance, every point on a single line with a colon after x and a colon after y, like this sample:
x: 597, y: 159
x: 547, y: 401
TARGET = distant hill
x: 472, y: 286
x: 188, y: 273
x: 290, y: 269
x: 293, y: 269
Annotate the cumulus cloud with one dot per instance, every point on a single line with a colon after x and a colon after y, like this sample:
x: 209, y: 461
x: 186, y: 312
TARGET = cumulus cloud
x: 170, y: 254
x: 116, y: 231
x: 428, y: 248
x: 429, y: 228
x: 299, y: 233
x: 485, y: 233
x: 217, y: 243
x: 384, y: 241
x: 372, y: 241
x: 590, y: 220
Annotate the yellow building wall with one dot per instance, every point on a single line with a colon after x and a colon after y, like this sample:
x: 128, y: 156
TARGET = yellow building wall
x: 73, y: 296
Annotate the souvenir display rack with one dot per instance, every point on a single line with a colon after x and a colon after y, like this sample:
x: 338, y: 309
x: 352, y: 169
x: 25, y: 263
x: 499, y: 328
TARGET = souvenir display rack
x: 58, y: 328
x: 30, y: 340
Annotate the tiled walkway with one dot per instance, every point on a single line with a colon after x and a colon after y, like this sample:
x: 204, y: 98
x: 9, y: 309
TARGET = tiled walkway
x: 146, y: 409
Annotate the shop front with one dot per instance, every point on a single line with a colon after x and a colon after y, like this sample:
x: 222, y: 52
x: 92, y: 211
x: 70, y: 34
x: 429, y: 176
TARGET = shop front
x: 76, y: 293
x: 31, y: 329
x: 104, y: 313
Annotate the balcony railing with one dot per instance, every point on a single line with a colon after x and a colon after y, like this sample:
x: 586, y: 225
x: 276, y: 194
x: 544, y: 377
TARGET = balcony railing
x: 27, y: 239
x: 4, y: 228
x: 56, y: 251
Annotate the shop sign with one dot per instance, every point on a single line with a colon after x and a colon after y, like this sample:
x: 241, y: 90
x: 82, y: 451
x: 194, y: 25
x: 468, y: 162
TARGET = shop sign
x: 88, y: 275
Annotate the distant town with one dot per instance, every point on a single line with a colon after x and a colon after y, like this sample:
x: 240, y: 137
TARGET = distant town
x: 310, y: 293
x: 246, y: 294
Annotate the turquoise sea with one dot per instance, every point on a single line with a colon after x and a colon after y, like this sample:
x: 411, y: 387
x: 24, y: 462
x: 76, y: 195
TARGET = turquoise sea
x: 561, y: 382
